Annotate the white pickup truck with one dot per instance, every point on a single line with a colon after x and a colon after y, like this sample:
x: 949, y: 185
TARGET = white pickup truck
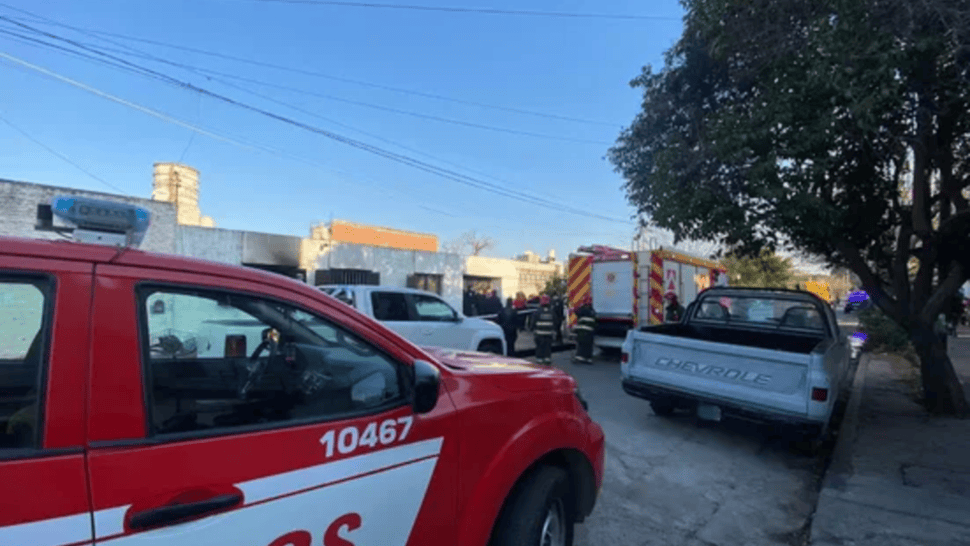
x: 763, y: 354
x: 421, y: 317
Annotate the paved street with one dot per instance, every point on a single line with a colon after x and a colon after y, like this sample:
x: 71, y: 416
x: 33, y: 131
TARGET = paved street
x: 672, y: 481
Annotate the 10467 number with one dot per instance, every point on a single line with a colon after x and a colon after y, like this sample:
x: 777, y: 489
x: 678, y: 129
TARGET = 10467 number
x: 350, y: 439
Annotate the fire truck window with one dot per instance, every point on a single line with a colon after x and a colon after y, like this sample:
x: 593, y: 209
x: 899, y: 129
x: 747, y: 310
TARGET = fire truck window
x: 23, y: 334
x: 220, y: 361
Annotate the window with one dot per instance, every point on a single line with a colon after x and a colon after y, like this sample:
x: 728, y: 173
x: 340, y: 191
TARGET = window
x: 390, y: 306
x: 23, y: 333
x: 776, y: 313
x: 218, y: 361
x: 347, y: 276
x: 432, y: 309
x: 426, y: 281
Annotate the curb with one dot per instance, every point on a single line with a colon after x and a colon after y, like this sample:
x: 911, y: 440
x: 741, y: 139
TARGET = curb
x: 841, y: 465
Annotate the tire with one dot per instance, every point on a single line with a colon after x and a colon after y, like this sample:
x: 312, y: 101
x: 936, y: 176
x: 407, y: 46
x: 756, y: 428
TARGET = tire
x: 662, y: 408
x: 490, y: 346
x: 537, y: 513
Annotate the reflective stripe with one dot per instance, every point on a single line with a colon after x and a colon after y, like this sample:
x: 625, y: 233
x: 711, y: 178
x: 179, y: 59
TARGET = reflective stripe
x: 544, y: 324
x: 584, y: 327
x: 587, y: 320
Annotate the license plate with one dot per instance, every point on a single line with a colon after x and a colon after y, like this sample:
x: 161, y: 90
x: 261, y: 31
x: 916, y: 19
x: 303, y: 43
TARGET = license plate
x: 709, y: 412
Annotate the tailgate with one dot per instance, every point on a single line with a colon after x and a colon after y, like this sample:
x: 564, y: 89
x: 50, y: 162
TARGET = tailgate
x: 760, y: 379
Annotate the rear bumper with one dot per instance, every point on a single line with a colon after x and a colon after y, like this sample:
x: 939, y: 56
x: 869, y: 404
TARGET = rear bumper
x: 684, y: 399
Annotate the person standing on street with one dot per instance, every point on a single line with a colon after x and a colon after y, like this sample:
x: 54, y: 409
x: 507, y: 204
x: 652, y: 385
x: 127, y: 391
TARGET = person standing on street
x: 585, y: 325
x: 543, y: 332
x: 508, y: 320
x: 557, y: 317
x: 675, y: 311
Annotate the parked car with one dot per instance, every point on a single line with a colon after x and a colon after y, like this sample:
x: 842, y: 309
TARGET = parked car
x: 421, y: 317
x: 161, y: 400
x: 856, y: 300
x: 766, y: 354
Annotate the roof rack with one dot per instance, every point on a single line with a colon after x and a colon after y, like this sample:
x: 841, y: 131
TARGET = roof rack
x: 95, y: 221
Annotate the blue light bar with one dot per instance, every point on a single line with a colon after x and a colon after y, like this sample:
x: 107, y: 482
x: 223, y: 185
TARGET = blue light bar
x: 100, y: 221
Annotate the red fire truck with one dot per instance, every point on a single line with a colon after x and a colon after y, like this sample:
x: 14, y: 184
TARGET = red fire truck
x: 628, y: 287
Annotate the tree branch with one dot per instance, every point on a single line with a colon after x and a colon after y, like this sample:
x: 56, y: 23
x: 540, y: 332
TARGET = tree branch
x: 947, y: 288
x: 901, y: 266
x: 871, y: 283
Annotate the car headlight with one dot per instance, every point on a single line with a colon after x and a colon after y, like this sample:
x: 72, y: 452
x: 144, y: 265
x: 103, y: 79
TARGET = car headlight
x: 582, y: 401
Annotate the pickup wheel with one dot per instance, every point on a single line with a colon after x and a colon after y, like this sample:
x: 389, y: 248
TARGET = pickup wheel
x: 537, y: 512
x: 662, y: 408
x: 493, y: 346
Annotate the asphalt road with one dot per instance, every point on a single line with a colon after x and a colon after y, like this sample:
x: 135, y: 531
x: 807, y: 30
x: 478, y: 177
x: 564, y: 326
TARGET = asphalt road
x: 676, y: 481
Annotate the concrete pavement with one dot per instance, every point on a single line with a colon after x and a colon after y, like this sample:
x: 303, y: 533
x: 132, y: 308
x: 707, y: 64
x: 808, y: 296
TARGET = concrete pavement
x: 899, y: 476
x: 676, y: 481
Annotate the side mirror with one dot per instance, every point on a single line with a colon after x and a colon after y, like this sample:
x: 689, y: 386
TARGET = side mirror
x: 425, y: 381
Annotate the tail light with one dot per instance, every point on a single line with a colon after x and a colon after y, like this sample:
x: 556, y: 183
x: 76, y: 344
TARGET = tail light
x: 625, y: 357
x: 819, y: 394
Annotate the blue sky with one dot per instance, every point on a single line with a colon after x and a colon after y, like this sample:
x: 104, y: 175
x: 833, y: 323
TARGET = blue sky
x: 291, y: 178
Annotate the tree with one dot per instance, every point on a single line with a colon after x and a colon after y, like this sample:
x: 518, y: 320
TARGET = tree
x: 794, y: 124
x: 470, y: 243
x: 767, y: 269
x: 555, y: 286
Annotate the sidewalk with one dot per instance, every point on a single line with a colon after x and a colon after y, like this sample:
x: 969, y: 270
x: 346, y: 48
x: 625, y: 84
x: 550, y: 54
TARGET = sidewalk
x: 898, y: 476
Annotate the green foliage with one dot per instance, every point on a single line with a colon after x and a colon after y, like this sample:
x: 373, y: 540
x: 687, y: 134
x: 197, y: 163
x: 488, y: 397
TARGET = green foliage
x: 795, y: 124
x: 555, y: 286
x: 882, y: 333
x: 765, y: 270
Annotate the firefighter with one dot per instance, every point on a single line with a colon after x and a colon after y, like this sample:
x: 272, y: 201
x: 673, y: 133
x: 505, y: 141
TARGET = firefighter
x: 674, y: 309
x: 585, y: 325
x: 508, y: 320
x: 544, y: 331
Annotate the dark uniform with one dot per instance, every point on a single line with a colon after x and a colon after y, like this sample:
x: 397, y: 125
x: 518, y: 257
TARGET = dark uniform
x: 557, y: 317
x: 585, y: 325
x: 675, y: 311
x: 543, y: 334
x: 508, y: 319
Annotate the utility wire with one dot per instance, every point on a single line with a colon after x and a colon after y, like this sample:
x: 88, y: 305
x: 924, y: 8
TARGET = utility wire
x: 201, y: 70
x: 488, y: 11
x: 59, y: 155
x: 169, y: 80
x: 128, y: 50
x: 316, y: 74
x: 451, y: 175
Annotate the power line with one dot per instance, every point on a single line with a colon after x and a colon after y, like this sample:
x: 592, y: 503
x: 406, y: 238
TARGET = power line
x: 488, y: 11
x: 59, y: 155
x: 124, y: 65
x: 317, y: 74
x: 444, y: 173
x: 198, y: 130
x: 128, y: 50
x: 365, y: 104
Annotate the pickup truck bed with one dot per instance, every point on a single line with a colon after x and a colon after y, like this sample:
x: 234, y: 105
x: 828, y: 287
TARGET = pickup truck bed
x: 757, y: 369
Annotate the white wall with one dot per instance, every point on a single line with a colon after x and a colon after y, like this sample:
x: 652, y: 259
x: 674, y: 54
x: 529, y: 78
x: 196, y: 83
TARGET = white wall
x: 214, y: 244
x: 396, y: 265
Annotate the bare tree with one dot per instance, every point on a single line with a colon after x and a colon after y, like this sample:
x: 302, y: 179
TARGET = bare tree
x: 469, y: 243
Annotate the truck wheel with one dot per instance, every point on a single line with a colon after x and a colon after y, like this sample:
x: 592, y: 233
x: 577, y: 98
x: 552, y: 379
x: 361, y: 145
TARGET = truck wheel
x: 662, y: 408
x: 490, y: 346
x: 537, y: 513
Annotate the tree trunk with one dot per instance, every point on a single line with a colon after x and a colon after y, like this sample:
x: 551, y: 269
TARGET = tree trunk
x: 942, y: 392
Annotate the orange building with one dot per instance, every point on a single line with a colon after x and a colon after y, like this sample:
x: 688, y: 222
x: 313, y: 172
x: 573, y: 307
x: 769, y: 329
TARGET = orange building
x: 342, y: 231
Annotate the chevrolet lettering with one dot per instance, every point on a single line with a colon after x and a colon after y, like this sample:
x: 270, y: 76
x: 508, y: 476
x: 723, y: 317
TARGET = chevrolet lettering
x: 713, y: 371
